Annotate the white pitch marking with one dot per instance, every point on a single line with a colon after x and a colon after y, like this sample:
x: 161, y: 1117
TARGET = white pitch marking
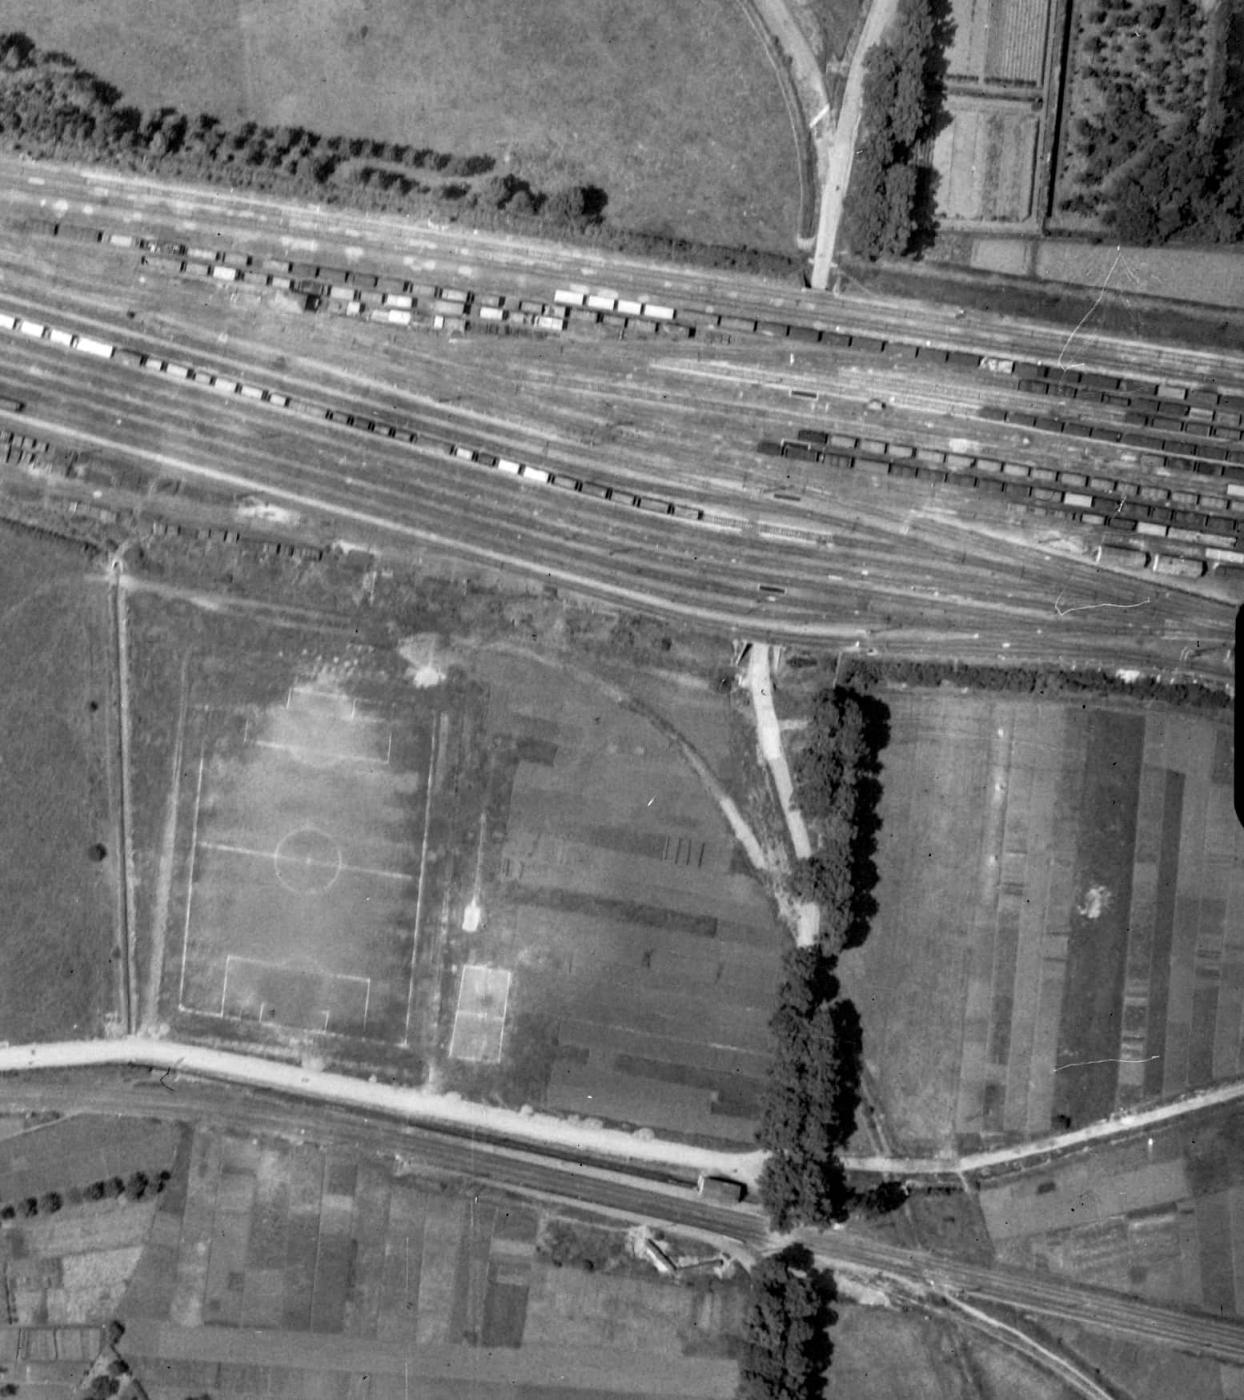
x: 194, y: 832
x: 233, y: 850
x: 323, y: 753
x: 423, y: 858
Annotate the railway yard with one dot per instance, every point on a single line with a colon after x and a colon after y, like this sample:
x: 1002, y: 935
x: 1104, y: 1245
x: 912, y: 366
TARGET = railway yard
x: 427, y: 561
x: 884, y: 462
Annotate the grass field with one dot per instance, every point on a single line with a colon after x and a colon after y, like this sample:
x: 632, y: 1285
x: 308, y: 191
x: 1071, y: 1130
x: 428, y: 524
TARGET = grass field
x: 895, y: 1355
x: 1047, y: 909
x: 671, y: 109
x: 609, y: 886
x: 59, y: 902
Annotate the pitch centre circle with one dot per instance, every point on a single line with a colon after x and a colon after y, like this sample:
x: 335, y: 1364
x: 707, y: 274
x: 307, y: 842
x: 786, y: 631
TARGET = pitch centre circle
x: 307, y: 861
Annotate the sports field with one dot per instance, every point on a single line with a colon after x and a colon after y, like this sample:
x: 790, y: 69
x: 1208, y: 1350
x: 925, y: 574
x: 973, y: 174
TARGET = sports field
x: 672, y: 110
x: 1056, y: 932
x: 609, y: 887
x: 303, y: 850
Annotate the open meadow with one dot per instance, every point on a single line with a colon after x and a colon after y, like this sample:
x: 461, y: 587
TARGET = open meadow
x: 1060, y: 886
x: 57, y: 727
x: 672, y: 110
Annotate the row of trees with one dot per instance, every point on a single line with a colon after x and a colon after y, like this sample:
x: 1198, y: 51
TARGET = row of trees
x: 838, y: 789
x: 132, y: 1188
x: 811, y: 1095
x: 812, y: 1092
x: 50, y: 107
x: 1040, y: 681
x: 890, y: 200
x: 787, y: 1346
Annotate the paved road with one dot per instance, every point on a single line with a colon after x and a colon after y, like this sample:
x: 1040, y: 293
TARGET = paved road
x: 1041, y: 1149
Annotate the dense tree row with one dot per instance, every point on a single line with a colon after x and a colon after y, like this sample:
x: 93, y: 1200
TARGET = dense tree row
x: 52, y: 108
x: 787, y: 1346
x: 1018, y: 680
x: 836, y: 783
x: 132, y: 1188
x: 890, y: 200
x: 811, y: 1094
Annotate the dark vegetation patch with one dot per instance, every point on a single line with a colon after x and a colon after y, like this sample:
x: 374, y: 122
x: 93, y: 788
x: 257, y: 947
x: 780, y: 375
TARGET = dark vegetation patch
x: 1156, y: 149
x: 1043, y: 683
x: 787, y: 1347
x: 1166, y: 319
x: 624, y: 911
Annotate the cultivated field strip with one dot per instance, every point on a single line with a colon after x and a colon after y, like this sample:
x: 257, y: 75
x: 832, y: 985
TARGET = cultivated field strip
x: 1016, y: 45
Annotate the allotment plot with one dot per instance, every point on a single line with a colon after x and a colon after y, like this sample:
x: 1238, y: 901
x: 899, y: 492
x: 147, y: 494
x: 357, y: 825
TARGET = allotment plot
x: 305, y: 863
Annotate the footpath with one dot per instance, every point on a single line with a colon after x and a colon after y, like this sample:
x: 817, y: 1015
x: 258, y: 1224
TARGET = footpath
x: 769, y: 738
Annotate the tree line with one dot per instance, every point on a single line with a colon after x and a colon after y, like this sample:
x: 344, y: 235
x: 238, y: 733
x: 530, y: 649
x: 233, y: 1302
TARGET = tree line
x: 890, y: 199
x: 52, y: 108
x: 132, y: 1188
x: 837, y: 786
x: 864, y: 675
x: 812, y: 1092
x: 787, y: 1347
